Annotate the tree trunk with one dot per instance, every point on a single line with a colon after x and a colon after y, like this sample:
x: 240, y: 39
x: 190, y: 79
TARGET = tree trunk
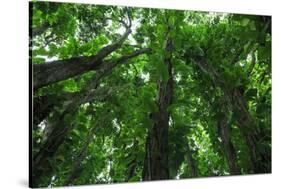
x: 246, y: 124
x: 41, y: 165
x: 228, y: 147
x: 76, y: 168
x: 44, y: 105
x: 191, y: 162
x: 131, y: 169
x: 248, y: 129
x: 132, y: 165
x: 156, y: 157
x: 41, y: 162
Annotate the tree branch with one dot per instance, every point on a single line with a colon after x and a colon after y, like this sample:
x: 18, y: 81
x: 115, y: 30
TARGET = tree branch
x: 40, y: 29
x: 51, y: 72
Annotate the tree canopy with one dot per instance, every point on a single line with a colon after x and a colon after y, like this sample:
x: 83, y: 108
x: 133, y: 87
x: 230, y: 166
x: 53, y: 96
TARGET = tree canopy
x: 123, y: 94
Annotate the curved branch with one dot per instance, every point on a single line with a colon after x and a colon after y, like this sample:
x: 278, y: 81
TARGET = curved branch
x: 40, y: 29
x: 51, y: 72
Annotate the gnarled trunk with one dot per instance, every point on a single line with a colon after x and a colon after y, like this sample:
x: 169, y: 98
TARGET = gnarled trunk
x: 248, y: 128
x: 156, y: 157
x: 246, y: 124
x: 229, y: 150
x: 191, y: 162
x: 76, y: 168
x: 44, y: 105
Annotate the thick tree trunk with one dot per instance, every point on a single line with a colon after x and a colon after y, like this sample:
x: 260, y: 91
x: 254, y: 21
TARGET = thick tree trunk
x: 156, y: 158
x: 248, y: 129
x: 246, y: 124
x: 42, y: 106
x: 228, y: 147
x: 132, y: 165
x: 51, y: 72
x: 41, y: 164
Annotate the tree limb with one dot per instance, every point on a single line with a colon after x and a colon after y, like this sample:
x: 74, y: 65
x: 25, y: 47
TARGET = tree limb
x: 40, y: 29
x: 51, y: 72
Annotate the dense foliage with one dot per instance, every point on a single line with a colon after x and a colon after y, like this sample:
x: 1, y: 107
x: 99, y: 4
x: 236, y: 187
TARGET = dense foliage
x: 131, y: 94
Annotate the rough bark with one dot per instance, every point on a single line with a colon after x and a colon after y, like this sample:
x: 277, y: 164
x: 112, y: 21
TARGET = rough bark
x: 74, y: 173
x: 156, y: 157
x: 41, y: 164
x: 246, y: 124
x: 132, y: 165
x: 248, y: 128
x: 131, y: 170
x: 40, y: 29
x: 229, y: 150
x: 51, y: 72
x: 42, y: 106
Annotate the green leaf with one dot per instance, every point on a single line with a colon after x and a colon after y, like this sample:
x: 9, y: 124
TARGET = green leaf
x: 251, y: 94
x: 252, y: 26
x: 262, y: 108
x: 245, y: 21
x: 171, y: 21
